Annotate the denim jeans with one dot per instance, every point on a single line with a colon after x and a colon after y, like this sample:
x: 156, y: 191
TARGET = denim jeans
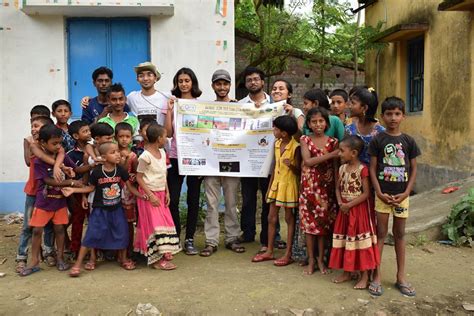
x: 27, y: 231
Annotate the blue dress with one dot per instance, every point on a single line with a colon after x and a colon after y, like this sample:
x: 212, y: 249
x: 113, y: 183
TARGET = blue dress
x: 351, y: 129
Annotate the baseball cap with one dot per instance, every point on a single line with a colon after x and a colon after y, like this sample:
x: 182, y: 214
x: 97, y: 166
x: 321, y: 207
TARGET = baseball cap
x: 221, y: 74
x: 147, y: 66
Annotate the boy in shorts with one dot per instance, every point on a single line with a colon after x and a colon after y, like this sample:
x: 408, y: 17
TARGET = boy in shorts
x: 392, y: 172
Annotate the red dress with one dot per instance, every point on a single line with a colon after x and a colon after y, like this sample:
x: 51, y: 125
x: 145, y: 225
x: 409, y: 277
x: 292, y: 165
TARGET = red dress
x: 354, y: 245
x: 317, y: 197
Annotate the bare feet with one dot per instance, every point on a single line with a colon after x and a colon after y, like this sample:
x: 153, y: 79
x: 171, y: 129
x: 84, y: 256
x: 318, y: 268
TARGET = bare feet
x: 322, y: 268
x: 309, y: 268
x: 344, y: 277
x: 363, y: 282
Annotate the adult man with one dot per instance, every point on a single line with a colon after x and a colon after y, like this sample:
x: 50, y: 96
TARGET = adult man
x: 221, y: 82
x: 96, y: 108
x: 148, y: 102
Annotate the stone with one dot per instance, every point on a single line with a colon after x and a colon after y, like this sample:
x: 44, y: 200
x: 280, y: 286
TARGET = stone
x: 309, y: 312
x: 2, y: 274
x: 22, y: 296
x: 469, y: 307
x: 297, y: 312
x: 362, y: 301
x: 147, y: 309
x: 380, y: 313
x: 272, y: 312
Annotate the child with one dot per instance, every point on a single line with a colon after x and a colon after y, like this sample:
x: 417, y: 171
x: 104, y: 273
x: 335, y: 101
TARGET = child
x: 339, y: 98
x: 50, y: 204
x: 354, y: 240
x: 129, y: 161
x: 107, y: 228
x: 62, y: 112
x: 117, y: 101
x: 139, y: 147
x: 156, y: 235
x: 317, y: 200
x: 363, y: 108
x: 393, y: 172
x: 283, y: 189
x: 101, y: 133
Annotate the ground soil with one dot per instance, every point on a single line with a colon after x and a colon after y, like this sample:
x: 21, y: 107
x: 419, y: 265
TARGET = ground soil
x: 229, y: 284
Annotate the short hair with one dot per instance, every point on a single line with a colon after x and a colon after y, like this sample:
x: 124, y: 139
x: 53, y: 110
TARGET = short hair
x: 43, y: 119
x: 339, y: 92
x: 116, y: 87
x: 253, y: 70
x: 40, y: 110
x: 104, y: 147
x: 354, y: 142
x: 123, y: 126
x: 392, y: 103
x: 146, y: 121
x: 101, y: 129
x: 59, y: 102
x: 368, y: 98
x: 288, y: 85
x: 195, y: 91
x: 76, y: 126
x: 318, y: 110
x: 102, y: 71
x: 49, y: 131
x: 317, y: 95
x: 287, y: 124
x: 154, y: 131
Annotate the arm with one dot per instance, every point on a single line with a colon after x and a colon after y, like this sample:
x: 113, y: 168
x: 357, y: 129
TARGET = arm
x: 89, y: 152
x: 296, y: 168
x: 338, y: 192
x: 57, y: 163
x: 67, y: 191
x: 397, y: 199
x: 169, y: 118
x: 134, y: 190
x: 375, y: 183
x: 26, y: 151
x: 312, y: 161
x: 65, y: 183
x: 153, y: 200
x: 361, y: 198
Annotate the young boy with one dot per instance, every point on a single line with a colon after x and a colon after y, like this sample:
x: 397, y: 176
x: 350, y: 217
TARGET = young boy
x: 139, y: 146
x: 50, y: 204
x: 339, y: 98
x: 392, y: 172
x: 117, y: 100
x: 62, y: 112
x: 100, y: 133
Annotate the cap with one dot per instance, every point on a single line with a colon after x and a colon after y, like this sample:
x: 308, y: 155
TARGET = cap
x: 221, y: 74
x: 147, y: 66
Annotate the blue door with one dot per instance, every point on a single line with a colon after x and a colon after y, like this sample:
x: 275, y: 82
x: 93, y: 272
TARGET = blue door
x: 118, y: 43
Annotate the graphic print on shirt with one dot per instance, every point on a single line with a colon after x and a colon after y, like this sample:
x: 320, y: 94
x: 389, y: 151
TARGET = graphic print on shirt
x: 111, y: 195
x: 394, y: 159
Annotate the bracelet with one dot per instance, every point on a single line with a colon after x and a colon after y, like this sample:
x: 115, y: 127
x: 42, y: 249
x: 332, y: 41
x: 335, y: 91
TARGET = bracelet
x: 72, y: 184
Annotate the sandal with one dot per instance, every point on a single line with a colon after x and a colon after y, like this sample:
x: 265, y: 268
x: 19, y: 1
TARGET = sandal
x: 28, y: 271
x: 20, y: 266
x: 168, y: 256
x: 90, y: 265
x: 235, y: 246
x: 208, y: 251
x: 263, y: 249
x: 128, y: 265
x: 405, y: 289
x: 262, y: 257
x: 62, y: 266
x: 283, y: 261
x: 75, y: 272
x: 375, y: 289
x: 164, y: 265
x: 50, y: 260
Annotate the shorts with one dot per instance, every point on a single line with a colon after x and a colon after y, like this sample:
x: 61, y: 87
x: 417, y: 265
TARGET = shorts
x: 400, y: 211
x: 40, y: 217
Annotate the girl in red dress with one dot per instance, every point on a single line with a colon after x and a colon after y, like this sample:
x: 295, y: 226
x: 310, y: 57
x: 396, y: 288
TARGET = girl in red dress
x: 354, y: 246
x: 317, y: 196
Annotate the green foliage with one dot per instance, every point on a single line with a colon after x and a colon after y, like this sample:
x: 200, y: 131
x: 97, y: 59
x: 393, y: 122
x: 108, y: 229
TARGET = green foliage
x: 460, y: 225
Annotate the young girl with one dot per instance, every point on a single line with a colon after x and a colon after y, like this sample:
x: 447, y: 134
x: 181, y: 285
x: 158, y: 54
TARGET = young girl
x: 354, y: 239
x: 107, y: 228
x: 317, y: 200
x: 283, y: 190
x: 156, y: 235
x: 186, y: 86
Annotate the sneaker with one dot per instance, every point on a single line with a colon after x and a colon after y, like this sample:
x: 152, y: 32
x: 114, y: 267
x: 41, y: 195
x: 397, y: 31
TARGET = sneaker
x: 189, y: 248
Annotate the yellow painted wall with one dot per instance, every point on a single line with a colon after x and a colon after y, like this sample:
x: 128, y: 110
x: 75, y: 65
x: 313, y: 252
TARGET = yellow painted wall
x: 444, y: 129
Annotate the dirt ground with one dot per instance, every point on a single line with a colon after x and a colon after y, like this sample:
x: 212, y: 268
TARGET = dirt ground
x: 229, y: 284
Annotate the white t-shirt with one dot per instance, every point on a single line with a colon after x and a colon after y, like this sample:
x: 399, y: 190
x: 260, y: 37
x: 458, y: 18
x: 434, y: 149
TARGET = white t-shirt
x: 153, y: 169
x: 155, y: 104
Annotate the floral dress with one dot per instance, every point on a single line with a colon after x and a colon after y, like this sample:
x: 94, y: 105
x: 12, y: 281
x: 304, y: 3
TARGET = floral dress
x: 317, y: 198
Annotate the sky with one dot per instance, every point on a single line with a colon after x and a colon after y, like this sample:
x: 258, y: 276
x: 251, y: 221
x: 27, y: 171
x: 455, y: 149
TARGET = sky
x: 307, y: 4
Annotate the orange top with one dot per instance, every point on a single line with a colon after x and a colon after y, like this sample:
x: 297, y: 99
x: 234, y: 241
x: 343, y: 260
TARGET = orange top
x: 31, y: 185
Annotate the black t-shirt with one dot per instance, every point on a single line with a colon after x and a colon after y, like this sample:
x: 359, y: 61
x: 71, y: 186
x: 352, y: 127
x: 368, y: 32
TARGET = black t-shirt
x: 393, y: 160
x: 108, y: 187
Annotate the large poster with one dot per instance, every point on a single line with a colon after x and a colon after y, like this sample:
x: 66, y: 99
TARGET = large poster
x: 225, y: 139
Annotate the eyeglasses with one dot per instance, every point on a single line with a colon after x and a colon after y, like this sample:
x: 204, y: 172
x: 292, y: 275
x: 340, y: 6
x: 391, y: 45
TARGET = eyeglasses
x: 250, y: 80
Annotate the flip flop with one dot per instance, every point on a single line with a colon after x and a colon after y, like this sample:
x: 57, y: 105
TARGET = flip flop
x: 128, y: 265
x: 29, y: 271
x: 405, y: 289
x: 235, y: 247
x: 208, y: 251
x: 89, y: 266
x: 164, y: 265
x: 375, y: 289
x: 62, y: 266
x: 75, y: 272
x: 262, y: 257
x: 281, y: 262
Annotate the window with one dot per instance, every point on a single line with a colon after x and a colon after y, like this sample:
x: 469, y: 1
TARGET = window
x: 416, y: 52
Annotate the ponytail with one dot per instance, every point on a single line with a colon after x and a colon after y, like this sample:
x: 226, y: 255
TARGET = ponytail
x: 368, y: 97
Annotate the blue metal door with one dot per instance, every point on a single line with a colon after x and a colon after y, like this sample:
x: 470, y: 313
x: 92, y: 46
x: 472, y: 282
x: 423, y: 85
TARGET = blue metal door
x: 118, y: 43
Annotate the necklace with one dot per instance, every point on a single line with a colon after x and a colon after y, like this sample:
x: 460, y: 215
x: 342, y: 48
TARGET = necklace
x: 105, y: 174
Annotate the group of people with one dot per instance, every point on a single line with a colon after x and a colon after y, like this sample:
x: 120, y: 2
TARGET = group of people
x: 337, y: 173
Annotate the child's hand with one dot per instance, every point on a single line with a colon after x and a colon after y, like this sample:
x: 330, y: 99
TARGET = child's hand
x: 154, y: 200
x: 68, y: 171
x: 67, y: 191
x: 399, y: 198
x: 287, y: 162
x: 386, y: 198
x: 344, y: 208
x: 99, y: 160
x: 288, y: 109
x: 84, y: 203
x: 167, y: 199
x: 171, y: 103
x: 58, y: 174
x: 85, y: 102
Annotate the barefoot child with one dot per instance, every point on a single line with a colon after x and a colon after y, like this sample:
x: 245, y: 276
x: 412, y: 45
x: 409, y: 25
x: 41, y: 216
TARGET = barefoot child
x: 354, y: 246
x: 156, y: 235
x: 393, y: 172
x: 107, y: 228
x: 283, y: 190
x: 317, y: 198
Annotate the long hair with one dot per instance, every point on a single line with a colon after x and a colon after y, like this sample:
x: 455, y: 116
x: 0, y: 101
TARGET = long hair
x: 195, y: 91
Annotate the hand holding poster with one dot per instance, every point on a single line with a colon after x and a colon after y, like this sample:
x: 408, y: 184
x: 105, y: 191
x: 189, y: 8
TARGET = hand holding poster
x: 225, y: 139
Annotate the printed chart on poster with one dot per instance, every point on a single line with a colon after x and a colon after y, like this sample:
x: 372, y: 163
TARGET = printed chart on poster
x: 225, y: 139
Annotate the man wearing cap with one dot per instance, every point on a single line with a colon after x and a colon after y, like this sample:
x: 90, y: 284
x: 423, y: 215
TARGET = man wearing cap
x: 148, y: 102
x: 221, y: 85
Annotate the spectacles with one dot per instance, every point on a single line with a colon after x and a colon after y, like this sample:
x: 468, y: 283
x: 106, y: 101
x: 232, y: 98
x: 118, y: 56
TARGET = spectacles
x: 250, y: 80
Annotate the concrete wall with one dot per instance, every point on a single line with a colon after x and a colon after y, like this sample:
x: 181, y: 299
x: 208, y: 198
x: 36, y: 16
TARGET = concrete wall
x: 444, y: 129
x: 33, y: 64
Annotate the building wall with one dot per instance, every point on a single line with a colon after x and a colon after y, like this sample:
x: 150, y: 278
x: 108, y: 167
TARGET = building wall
x: 444, y: 129
x: 34, y: 69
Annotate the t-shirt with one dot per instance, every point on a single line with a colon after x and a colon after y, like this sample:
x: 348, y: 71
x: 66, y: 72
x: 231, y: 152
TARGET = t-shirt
x: 351, y: 129
x: 94, y: 109
x: 336, y: 128
x: 68, y: 142
x: 77, y: 156
x: 155, y: 104
x: 132, y: 120
x: 393, y: 160
x: 108, y: 187
x: 49, y: 198
x: 153, y: 169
